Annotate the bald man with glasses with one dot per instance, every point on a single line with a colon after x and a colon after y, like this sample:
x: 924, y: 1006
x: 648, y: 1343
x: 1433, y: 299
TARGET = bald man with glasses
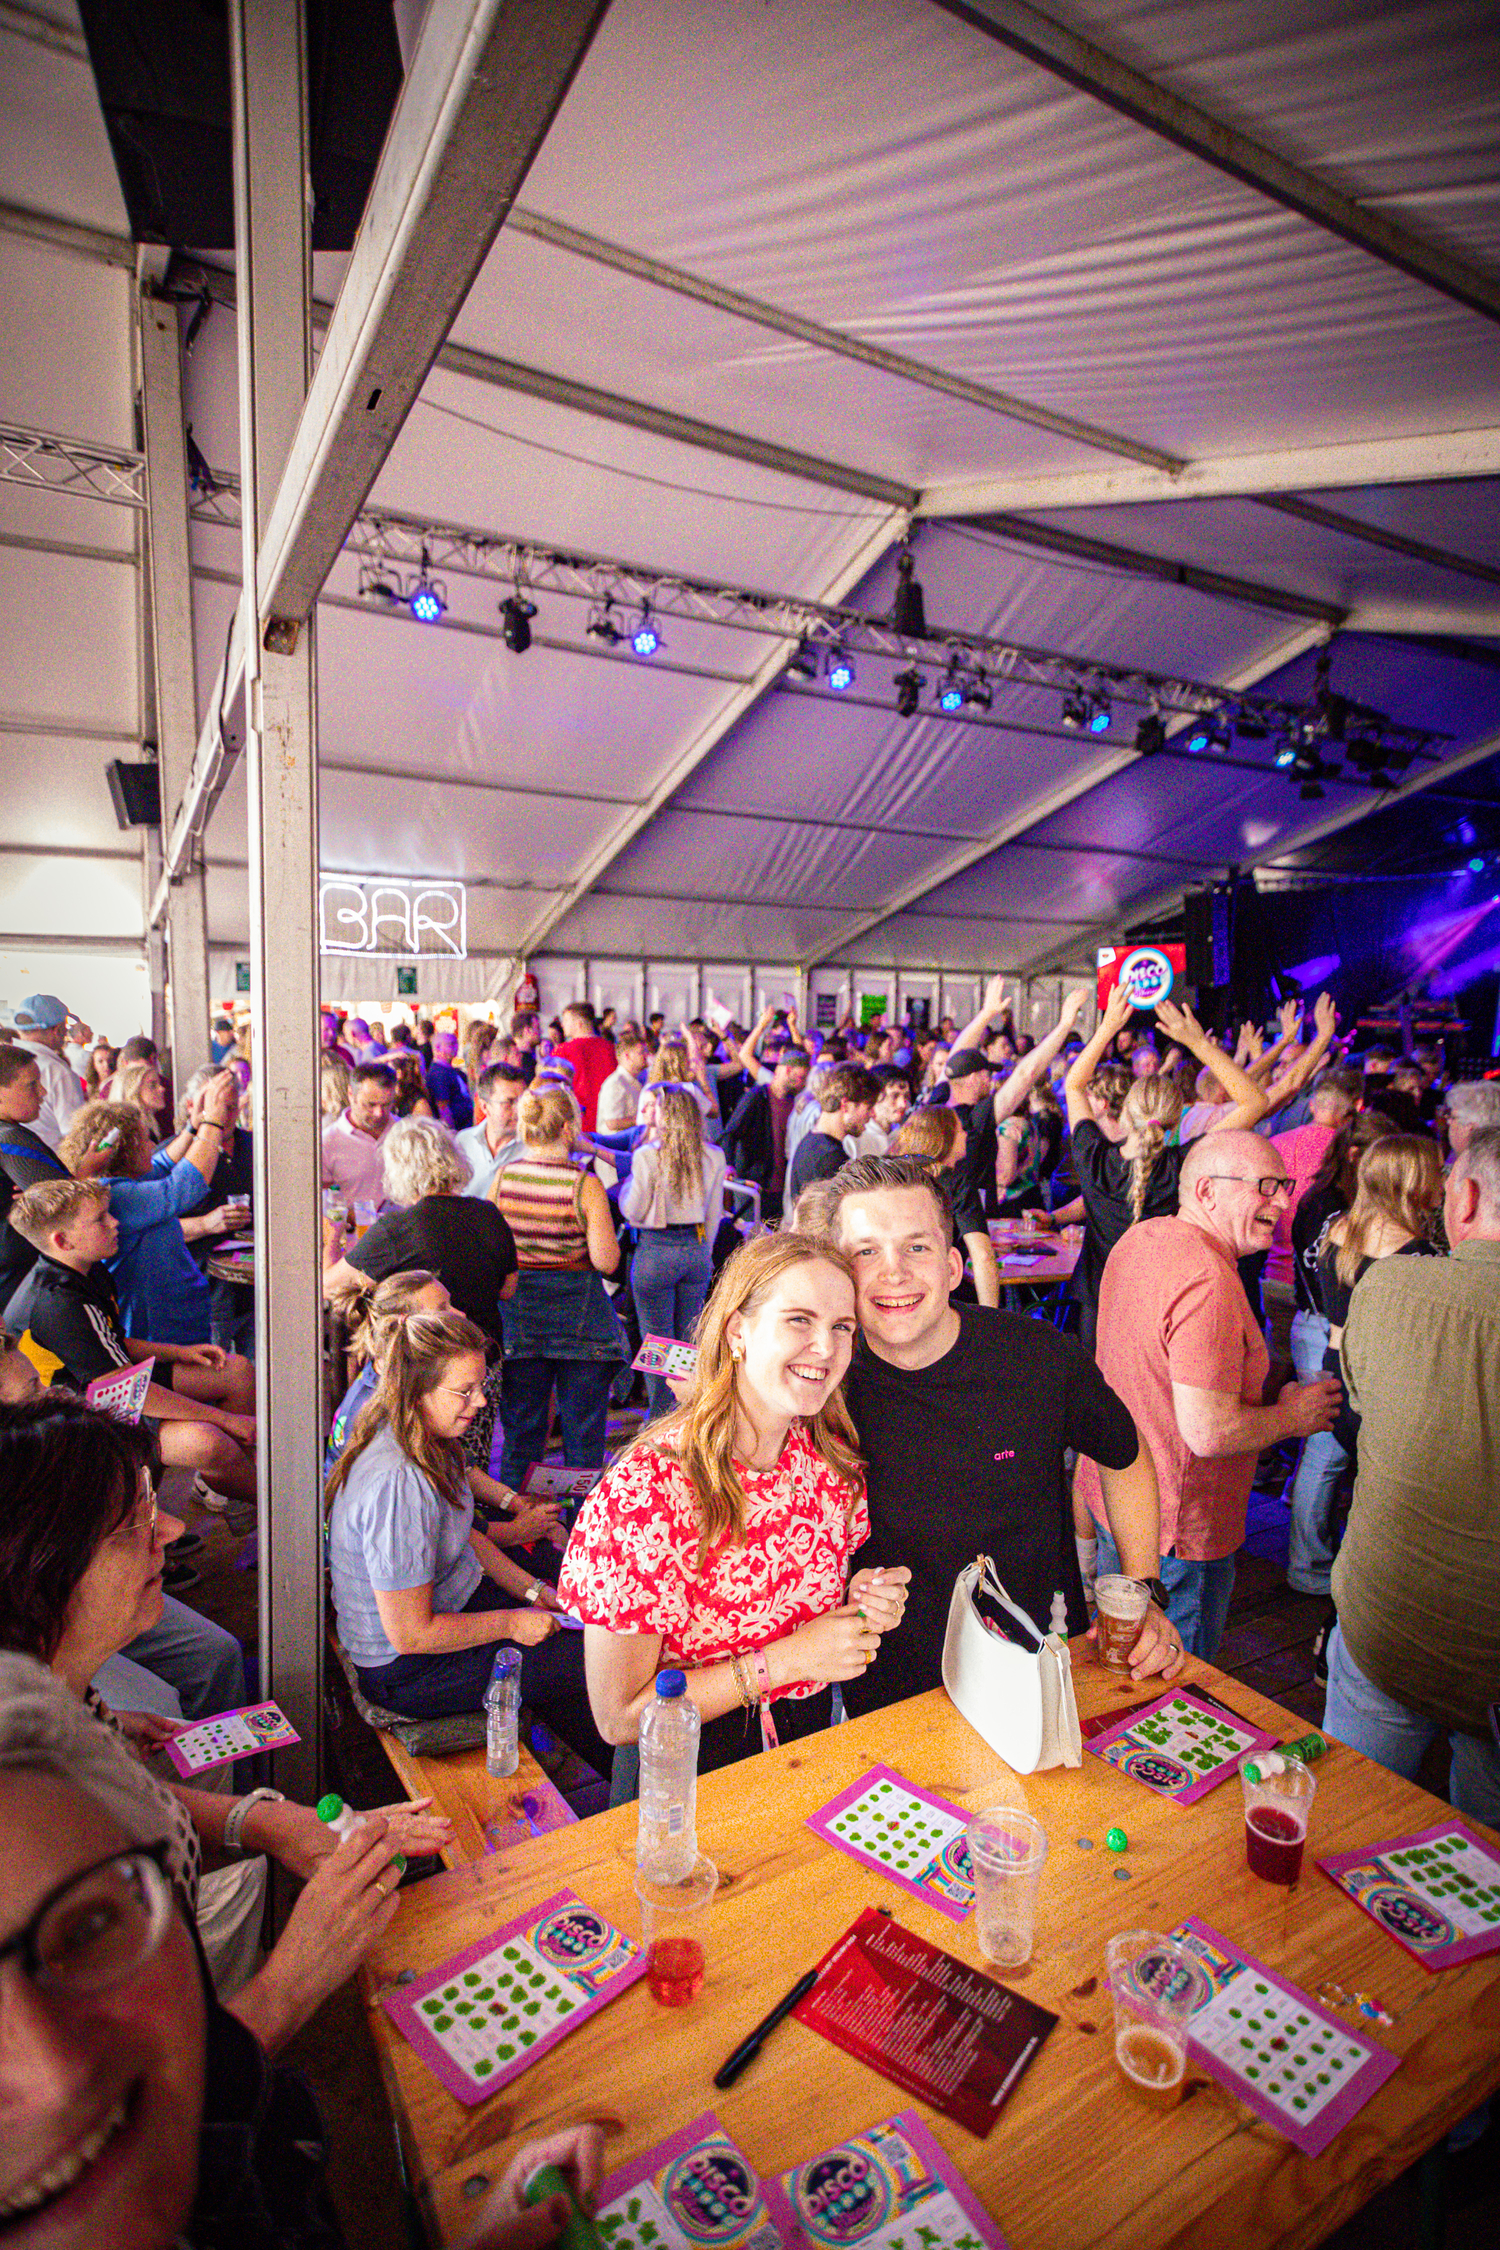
x: 1180, y: 1345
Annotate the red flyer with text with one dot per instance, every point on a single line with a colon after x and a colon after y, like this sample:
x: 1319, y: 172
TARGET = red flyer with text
x: 930, y: 2023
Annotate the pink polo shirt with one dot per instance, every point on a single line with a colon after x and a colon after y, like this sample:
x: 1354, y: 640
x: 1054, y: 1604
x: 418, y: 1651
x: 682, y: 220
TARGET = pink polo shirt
x: 354, y: 1160
x: 1172, y: 1309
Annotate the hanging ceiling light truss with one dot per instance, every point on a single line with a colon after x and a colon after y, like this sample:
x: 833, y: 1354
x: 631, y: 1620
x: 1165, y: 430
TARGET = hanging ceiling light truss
x: 393, y: 538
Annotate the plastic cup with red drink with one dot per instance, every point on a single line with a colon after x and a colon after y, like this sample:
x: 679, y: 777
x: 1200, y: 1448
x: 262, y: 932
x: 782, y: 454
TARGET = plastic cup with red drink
x: 1279, y: 1791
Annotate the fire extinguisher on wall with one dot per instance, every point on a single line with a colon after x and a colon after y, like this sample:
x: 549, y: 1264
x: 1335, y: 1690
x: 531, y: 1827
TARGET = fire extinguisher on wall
x: 528, y: 992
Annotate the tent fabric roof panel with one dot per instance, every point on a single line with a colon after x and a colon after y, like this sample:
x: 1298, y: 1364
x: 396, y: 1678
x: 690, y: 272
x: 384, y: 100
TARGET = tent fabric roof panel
x: 54, y: 151
x: 1178, y: 306
x: 67, y: 355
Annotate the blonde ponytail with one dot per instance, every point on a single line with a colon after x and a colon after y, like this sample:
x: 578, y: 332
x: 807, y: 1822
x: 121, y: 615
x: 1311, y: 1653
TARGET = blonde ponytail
x: 1151, y: 1110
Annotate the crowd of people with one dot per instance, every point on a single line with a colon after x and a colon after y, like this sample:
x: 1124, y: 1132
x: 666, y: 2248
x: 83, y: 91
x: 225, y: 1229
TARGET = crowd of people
x: 1289, y: 1271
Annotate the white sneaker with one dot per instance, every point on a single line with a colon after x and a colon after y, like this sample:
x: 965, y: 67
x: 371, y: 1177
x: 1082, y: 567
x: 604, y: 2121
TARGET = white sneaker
x: 204, y: 1496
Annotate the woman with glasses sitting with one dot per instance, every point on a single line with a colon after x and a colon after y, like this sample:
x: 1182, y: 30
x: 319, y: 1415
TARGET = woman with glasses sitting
x: 82, y: 1545
x: 138, y: 2112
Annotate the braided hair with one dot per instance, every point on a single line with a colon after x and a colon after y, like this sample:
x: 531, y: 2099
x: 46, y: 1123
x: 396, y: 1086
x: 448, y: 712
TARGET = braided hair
x: 1151, y: 1110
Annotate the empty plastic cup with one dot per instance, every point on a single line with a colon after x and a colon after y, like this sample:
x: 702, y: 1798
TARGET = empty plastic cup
x: 1007, y: 1852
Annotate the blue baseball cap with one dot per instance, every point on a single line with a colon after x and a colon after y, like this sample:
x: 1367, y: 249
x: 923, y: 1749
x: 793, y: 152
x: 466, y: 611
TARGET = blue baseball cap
x: 42, y: 1012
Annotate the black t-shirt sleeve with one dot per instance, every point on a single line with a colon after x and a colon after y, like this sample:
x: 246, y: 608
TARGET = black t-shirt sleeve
x: 24, y: 1166
x: 78, y: 1334
x: 1099, y: 1423
x: 968, y: 1208
x: 493, y: 1233
x: 389, y: 1246
x: 1090, y: 1158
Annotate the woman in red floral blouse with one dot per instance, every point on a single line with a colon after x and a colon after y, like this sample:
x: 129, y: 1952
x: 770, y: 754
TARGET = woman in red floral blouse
x: 720, y: 1542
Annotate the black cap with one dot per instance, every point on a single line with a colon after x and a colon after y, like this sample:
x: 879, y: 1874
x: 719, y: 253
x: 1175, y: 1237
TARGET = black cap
x: 964, y: 1061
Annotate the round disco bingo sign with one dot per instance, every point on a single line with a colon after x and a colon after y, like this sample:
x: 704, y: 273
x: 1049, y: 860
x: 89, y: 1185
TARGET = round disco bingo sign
x: 1147, y: 975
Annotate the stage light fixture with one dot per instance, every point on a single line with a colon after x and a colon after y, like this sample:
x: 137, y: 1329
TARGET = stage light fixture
x: 951, y: 692
x: 804, y: 662
x: 1399, y: 760
x: 384, y: 585
x: 1150, y: 735
x: 840, y: 672
x: 909, y: 610
x: 602, y: 627
x: 1286, y: 754
x: 427, y: 601
x: 645, y: 640
x: 908, y: 686
x: 1476, y: 865
x: 978, y: 692
x: 1309, y: 791
x: 1101, y: 713
x: 516, y: 614
x: 1075, y: 711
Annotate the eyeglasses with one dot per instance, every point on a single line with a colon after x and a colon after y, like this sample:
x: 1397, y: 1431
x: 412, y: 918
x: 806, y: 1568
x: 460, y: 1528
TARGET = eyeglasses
x: 98, y: 1927
x: 137, y: 1521
x: 1278, y: 1185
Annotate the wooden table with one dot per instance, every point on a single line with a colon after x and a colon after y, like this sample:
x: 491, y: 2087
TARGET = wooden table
x: 1057, y: 1265
x: 460, y: 1785
x: 1073, y: 2159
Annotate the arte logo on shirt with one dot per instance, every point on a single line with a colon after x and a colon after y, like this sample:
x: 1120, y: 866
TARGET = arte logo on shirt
x: 1008, y: 1455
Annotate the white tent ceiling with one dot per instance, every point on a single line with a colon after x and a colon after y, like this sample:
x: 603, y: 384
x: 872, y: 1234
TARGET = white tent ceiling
x: 889, y: 173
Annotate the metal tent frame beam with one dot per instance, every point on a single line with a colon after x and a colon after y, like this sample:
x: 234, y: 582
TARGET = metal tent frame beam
x: 1435, y: 457
x: 1089, y: 67
x: 484, y: 84
x: 169, y: 578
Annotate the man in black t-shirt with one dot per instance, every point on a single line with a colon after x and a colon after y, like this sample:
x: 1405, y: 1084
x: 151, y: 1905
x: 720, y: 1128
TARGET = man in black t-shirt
x: 846, y: 1105
x: 963, y: 1416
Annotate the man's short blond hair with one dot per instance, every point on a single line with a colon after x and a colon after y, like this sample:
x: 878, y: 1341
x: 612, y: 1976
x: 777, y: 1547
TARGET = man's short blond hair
x: 51, y: 1206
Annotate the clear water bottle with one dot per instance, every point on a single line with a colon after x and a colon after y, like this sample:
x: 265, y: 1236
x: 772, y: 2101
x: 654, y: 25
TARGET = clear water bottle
x: 666, y: 1845
x: 502, y: 1714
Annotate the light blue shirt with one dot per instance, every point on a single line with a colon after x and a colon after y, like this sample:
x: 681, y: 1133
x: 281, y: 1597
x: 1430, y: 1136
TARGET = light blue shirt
x: 163, y: 1294
x: 391, y: 1529
x: 482, y: 1165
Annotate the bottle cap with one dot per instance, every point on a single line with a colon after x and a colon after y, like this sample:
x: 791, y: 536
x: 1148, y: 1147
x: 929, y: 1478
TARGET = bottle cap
x: 328, y: 1808
x: 671, y: 1683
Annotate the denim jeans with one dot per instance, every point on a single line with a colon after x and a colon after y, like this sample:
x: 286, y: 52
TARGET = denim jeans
x: 185, y: 1667
x: 1368, y: 1720
x: 1198, y: 1595
x: 552, y: 1682
x: 582, y: 1387
x: 1315, y: 1486
x: 669, y: 1278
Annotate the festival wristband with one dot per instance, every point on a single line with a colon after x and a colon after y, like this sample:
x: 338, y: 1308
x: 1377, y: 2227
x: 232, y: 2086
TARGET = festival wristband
x: 762, y: 1673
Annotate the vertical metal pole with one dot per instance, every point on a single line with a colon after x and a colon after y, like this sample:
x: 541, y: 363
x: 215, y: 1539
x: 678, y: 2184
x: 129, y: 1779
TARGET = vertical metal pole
x: 170, y: 592
x: 269, y: 96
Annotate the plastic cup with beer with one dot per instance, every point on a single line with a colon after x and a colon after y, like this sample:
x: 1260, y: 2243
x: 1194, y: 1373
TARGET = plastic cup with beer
x: 1122, y: 1604
x: 1007, y: 1852
x: 1156, y: 1986
x: 1279, y: 1792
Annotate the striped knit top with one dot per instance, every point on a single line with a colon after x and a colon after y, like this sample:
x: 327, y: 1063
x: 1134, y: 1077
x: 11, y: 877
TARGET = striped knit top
x: 543, y: 1206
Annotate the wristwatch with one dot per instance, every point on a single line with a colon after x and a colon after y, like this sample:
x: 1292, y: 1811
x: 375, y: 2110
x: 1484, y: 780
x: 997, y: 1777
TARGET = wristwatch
x: 234, y: 1824
x: 1154, y: 1588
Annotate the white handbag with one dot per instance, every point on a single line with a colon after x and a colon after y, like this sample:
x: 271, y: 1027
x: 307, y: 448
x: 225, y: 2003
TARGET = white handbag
x: 1021, y: 1701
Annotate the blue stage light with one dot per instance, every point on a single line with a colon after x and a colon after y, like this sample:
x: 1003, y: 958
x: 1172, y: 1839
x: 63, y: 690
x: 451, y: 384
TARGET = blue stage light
x: 1101, y: 715
x: 951, y: 693
x: 426, y: 603
x: 645, y: 640
x: 1476, y: 866
x: 840, y: 673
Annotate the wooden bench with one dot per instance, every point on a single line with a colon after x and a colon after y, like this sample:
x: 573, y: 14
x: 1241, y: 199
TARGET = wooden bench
x: 454, y: 1775
x: 459, y: 1786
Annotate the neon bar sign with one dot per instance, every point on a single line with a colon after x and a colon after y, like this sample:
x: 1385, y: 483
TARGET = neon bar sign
x: 394, y: 915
